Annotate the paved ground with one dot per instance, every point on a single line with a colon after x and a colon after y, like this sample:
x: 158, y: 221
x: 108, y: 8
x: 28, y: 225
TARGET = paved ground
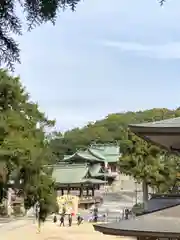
x: 26, y: 230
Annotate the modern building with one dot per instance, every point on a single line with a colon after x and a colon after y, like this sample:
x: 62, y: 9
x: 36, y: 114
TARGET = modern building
x: 83, y: 173
x: 162, y: 217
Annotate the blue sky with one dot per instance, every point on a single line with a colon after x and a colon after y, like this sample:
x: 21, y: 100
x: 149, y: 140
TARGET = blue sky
x: 108, y: 56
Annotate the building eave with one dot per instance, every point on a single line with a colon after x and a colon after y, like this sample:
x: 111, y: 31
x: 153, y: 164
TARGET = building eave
x: 131, y: 233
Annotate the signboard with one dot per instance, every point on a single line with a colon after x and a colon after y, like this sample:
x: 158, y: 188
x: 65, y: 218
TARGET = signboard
x: 69, y: 203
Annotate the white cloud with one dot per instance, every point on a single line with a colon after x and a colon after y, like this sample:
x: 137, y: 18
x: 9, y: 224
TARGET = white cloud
x: 169, y: 50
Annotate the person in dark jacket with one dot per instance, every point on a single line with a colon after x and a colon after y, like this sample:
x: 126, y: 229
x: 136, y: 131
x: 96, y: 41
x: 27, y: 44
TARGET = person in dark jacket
x: 95, y: 213
x: 54, y: 218
x: 62, y: 220
x: 79, y: 220
x: 70, y: 220
x: 126, y: 213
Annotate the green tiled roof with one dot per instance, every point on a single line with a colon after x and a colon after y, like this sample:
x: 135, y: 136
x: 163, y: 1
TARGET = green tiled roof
x: 93, y: 181
x: 94, y: 169
x: 109, y: 152
x: 97, y: 153
x: 86, y: 155
x: 67, y: 174
x: 106, y: 149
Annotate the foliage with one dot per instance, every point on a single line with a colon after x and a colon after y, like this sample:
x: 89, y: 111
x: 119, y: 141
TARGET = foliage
x: 24, y: 150
x: 36, y: 12
x: 139, y: 158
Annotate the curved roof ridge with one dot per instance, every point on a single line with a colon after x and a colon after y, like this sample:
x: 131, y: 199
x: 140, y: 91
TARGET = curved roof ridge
x: 104, y: 144
x: 96, y: 154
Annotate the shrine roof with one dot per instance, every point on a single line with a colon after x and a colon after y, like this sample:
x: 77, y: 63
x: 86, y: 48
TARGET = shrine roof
x: 165, y: 133
x: 160, y: 223
x: 167, y: 123
x: 64, y: 173
x: 98, y: 153
x: 160, y: 202
x: 69, y: 173
x: 142, y: 226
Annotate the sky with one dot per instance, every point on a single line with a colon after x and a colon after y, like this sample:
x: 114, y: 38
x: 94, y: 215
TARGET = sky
x: 109, y: 56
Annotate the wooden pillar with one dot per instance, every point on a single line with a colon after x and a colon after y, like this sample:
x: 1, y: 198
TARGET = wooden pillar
x: 81, y: 191
x: 62, y: 192
x: 87, y: 192
x: 93, y: 191
x: 68, y: 191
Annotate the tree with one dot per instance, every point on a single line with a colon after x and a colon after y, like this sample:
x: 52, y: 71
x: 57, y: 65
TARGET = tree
x: 24, y: 149
x: 148, y: 164
x: 139, y: 158
x: 36, y: 12
x: 113, y: 128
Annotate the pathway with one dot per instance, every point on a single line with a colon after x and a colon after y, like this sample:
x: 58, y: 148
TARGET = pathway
x: 26, y: 230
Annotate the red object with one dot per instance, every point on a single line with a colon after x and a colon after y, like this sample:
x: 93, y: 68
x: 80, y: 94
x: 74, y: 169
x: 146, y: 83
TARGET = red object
x: 72, y: 214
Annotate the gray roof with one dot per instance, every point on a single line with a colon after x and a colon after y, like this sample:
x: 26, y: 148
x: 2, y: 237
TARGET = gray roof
x: 160, y: 203
x: 163, y: 223
x: 167, y: 123
x: 165, y: 133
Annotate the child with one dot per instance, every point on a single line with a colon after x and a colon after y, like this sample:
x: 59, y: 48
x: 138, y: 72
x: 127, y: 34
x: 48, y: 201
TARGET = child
x: 54, y: 218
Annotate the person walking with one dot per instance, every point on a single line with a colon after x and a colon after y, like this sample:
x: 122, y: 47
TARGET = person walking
x: 62, y: 220
x: 37, y: 215
x: 79, y: 219
x: 54, y: 218
x: 126, y: 214
x: 95, y: 212
x: 70, y: 220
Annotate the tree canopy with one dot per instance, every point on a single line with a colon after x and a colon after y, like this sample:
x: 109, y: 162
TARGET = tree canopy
x: 36, y: 12
x: 24, y: 149
x: 27, y: 152
x: 139, y: 159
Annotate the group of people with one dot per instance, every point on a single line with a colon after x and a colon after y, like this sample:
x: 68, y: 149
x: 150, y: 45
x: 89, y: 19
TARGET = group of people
x: 70, y: 218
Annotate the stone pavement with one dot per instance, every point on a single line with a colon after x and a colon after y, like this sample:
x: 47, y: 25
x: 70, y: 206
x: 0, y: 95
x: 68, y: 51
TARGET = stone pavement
x: 26, y: 230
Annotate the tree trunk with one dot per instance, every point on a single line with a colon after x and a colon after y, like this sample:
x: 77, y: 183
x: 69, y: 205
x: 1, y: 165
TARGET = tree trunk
x: 145, y: 194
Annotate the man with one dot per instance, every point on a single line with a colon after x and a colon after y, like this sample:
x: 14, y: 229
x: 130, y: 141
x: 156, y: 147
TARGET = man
x: 126, y: 213
x: 62, y: 220
x: 79, y: 219
x: 95, y: 213
x: 70, y: 219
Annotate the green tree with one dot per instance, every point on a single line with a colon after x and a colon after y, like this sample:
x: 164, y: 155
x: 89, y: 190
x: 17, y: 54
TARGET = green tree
x: 140, y: 160
x: 148, y: 165
x: 24, y: 149
x: 135, y: 152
